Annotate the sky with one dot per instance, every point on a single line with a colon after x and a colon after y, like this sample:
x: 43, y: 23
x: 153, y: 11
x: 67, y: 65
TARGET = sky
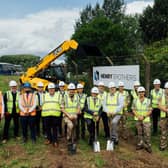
x: 38, y: 26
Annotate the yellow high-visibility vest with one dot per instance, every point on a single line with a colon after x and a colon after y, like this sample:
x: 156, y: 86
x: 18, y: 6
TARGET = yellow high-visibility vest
x: 156, y: 96
x: 142, y: 108
x: 10, y: 101
x: 164, y: 102
x: 71, y: 105
x: 51, y: 106
x: 112, y: 102
x: 93, y: 107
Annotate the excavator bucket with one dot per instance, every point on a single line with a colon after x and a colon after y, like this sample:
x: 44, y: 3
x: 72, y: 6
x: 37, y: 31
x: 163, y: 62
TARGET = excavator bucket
x: 86, y: 50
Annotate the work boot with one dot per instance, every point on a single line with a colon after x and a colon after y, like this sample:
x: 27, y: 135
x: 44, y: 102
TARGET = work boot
x: 161, y: 149
x: 47, y: 142
x: 139, y: 147
x: 148, y: 149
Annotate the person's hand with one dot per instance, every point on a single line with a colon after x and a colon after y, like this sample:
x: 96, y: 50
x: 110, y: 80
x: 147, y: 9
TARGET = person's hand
x: 140, y: 118
x: 95, y: 114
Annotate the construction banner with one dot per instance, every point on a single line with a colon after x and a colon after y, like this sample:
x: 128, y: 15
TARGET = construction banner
x: 127, y: 74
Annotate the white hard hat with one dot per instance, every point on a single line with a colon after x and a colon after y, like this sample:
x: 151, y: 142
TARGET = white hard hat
x: 71, y: 86
x: 79, y: 86
x: 95, y: 90
x: 120, y: 83
x: 51, y: 86
x: 166, y: 85
x: 12, y: 83
x: 141, y: 89
x: 136, y: 83
x: 101, y: 83
x: 61, y: 83
x: 40, y: 84
x: 111, y: 85
x: 156, y: 82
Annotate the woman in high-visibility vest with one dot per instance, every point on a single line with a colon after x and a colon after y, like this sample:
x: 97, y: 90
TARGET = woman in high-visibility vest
x: 27, y: 106
x: 142, y: 110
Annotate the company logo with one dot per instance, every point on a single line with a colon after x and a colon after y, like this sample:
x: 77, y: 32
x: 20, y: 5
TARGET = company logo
x: 96, y: 75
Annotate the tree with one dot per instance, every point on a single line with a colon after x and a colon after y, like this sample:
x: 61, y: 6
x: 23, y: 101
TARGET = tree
x: 24, y: 60
x: 154, y: 22
x: 113, y: 9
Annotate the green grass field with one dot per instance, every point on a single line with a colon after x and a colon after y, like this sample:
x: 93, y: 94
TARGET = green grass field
x: 15, y: 154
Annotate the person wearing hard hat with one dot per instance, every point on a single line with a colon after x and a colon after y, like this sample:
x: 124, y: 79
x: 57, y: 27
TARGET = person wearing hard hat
x: 113, y: 106
x: 163, y: 106
x: 51, y: 112
x: 11, y: 110
x: 155, y: 94
x: 81, y: 121
x: 40, y: 95
x: 27, y: 106
x: 71, y: 109
x: 102, y: 95
x: 61, y: 94
x: 92, y: 112
x: 134, y: 92
x: 125, y: 94
x: 141, y: 108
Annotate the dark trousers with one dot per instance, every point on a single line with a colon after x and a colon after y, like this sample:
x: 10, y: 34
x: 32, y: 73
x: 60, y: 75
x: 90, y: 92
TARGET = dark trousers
x: 28, y: 121
x: 155, y: 118
x: 38, y: 116
x: 105, y: 124
x: 91, y: 129
x: 51, y: 125
x: 80, y: 128
x: 8, y: 118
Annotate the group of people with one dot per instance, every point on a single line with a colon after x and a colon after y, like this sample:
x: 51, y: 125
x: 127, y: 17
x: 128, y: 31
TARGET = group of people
x: 67, y: 111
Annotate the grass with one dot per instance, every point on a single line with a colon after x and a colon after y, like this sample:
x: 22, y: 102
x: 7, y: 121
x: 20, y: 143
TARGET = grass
x: 4, y: 82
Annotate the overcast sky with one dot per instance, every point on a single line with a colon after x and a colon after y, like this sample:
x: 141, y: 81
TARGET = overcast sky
x: 37, y: 26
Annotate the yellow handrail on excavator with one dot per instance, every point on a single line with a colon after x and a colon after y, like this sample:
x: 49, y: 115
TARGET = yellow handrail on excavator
x: 30, y: 74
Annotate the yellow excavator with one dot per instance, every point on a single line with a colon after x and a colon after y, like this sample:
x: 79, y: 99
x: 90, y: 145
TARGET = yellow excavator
x: 45, y: 72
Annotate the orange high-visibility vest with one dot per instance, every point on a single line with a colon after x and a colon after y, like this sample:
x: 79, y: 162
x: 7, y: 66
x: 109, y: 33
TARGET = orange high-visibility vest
x: 1, y: 97
x: 27, y: 102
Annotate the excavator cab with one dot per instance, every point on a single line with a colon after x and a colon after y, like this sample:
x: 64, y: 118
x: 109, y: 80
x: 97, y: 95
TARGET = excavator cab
x: 52, y: 73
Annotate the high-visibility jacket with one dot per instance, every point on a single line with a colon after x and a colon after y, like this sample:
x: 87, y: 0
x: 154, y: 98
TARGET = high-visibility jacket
x: 111, y: 102
x: 51, y: 106
x: 71, y: 105
x: 155, y: 96
x: 10, y: 101
x: 134, y: 94
x: 125, y: 94
x: 27, y: 102
x: 82, y: 99
x: 164, y: 102
x: 61, y: 96
x: 142, y: 108
x: 40, y: 98
x: 1, y: 105
x: 94, y: 107
x: 102, y: 96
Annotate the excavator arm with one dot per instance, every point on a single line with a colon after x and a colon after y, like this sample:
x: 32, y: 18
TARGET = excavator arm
x: 31, y: 74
